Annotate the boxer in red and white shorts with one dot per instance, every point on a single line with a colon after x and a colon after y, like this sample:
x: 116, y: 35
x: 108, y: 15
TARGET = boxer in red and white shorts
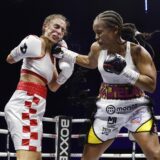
x: 24, y: 114
x: 25, y: 109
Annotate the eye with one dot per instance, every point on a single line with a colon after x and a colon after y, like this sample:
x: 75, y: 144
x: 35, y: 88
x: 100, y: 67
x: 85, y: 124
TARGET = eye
x: 56, y: 26
x: 98, y: 32
x: 63, y: 30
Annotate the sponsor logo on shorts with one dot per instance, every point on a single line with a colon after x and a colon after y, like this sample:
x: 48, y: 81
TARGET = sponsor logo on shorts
x: 106, y: 131
x: 122, y: 110
x: 112, y: 120
x: 136, y: 120
x: 110, y: 109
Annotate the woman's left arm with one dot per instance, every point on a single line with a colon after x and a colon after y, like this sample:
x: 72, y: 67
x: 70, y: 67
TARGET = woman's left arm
x: 53, y: 85
x: 59, y: 79
x: 146, y: 68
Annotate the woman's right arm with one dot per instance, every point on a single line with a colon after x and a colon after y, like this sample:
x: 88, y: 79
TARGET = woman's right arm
x: 88, y: 61
x: 91, y: 60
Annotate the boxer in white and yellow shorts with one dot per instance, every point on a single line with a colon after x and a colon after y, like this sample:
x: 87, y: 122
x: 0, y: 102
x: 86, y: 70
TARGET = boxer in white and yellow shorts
x: 112, y: 115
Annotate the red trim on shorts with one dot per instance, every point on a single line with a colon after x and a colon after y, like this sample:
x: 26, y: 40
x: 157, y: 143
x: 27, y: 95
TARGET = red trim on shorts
x: 35, y: 74
x: 33, y: 88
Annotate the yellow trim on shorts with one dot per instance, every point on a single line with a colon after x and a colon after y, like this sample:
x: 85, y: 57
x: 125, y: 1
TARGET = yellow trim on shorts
x: 146, y: 127
x: 92, y: 138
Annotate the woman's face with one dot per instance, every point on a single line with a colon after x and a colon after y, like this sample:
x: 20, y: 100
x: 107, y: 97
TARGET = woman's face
x: 55, y: 30
x: 104, y: 35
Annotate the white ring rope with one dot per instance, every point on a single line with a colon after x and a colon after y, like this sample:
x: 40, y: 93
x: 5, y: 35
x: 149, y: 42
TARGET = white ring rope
x: 47, y: 135
x: 45, y: 119
x: 108, y: 155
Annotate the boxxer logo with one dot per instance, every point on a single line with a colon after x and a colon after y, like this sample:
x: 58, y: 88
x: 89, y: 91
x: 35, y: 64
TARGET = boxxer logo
x: 63, y: 148
x: 64, y: 136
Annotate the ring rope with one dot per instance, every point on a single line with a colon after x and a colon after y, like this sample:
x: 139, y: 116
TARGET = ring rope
x: 108, y: 155
x: 45, y: 119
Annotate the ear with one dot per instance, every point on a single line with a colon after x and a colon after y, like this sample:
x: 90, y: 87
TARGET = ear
x: 44, y: 27
x: 116, y: 31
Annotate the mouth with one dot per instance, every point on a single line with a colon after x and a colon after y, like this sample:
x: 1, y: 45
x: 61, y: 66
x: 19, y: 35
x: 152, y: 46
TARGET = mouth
x: 55, y: 37
x: 100, y: 43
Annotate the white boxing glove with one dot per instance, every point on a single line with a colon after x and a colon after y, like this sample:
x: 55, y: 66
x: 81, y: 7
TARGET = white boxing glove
x: 66, y: 71
x: 65, y: 54
x: 63, y: 43
x: 29, y: 47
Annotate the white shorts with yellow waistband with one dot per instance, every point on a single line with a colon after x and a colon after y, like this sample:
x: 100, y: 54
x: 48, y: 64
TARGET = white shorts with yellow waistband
x: 23, y: 114
x: 112, y: 115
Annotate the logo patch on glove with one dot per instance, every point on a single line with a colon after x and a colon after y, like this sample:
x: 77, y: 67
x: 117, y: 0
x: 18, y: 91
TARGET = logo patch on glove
x: 114, y: 64
x: 23, y: 48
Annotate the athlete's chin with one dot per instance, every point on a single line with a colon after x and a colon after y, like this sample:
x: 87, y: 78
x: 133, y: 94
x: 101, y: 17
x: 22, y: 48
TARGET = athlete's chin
x: 103, y: 46
x: 54, y: 41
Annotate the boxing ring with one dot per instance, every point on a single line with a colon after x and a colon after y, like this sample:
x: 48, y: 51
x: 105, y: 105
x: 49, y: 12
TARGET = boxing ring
x: 63, y: 137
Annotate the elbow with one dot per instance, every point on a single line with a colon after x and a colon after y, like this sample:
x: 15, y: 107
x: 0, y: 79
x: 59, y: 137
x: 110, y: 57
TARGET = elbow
x: 9, y: 59
x: 92, y: 66
x: 54, y: 87
x: 152, y: 87
x: 9, y: 62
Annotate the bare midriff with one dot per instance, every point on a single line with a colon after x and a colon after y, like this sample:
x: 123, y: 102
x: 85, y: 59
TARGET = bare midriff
x: 25, y: 77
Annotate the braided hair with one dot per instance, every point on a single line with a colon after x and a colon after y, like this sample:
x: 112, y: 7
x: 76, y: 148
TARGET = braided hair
x: 127, y: 31
x: 111, y: 19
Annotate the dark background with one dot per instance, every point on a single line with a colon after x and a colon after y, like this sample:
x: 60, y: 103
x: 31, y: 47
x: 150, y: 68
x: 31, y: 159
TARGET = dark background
x: 19, y: 18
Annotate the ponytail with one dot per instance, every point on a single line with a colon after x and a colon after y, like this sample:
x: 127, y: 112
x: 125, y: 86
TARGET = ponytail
x: 129, y: 32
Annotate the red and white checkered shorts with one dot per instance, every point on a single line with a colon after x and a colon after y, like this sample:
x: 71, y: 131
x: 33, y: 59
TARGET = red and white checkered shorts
x: 24, y: 113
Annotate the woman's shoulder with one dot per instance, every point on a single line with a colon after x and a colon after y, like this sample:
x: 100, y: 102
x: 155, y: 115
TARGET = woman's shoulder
x: 139, y: 52
x: 95, y: 47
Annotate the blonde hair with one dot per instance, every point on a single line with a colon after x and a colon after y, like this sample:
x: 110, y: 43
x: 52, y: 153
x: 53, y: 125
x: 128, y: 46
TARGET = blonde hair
x: 49, y: 18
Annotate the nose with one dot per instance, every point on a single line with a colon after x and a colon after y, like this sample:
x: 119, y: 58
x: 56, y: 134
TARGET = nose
x: 96, y: 37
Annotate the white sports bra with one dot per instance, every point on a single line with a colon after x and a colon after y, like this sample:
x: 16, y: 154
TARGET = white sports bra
x: 112, y: 78
x: 42, y: 66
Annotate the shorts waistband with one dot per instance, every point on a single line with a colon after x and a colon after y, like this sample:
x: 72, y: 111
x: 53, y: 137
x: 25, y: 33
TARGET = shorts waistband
x: 119, y: 91
x: 35, y: 74
x: 33, y: 88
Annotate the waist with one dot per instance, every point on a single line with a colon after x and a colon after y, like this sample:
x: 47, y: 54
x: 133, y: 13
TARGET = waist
x: 26, y: 71
x: 32, y: 88
x: 119, y: 91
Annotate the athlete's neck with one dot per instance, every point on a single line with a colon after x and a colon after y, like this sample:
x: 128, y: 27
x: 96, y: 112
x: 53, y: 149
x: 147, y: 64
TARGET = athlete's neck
x: 119, y: 46
x: 48, y: 42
